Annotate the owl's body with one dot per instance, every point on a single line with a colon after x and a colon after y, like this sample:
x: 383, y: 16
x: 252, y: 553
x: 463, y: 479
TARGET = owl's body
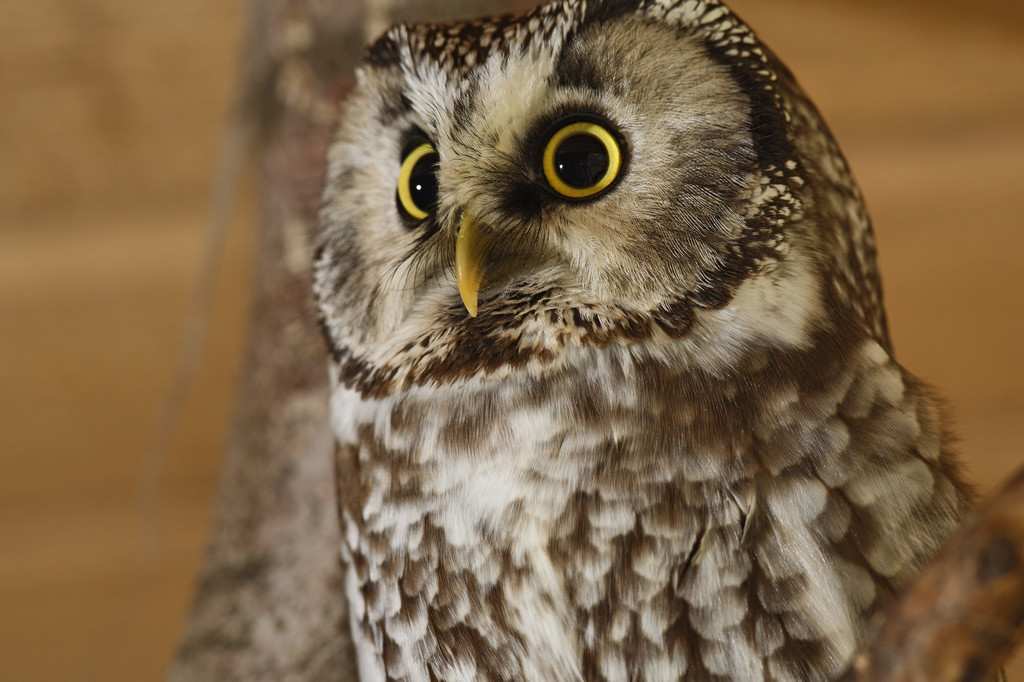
x: 672, y: 443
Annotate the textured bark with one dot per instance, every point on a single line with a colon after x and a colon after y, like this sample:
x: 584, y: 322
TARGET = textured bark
x: 270, y: 604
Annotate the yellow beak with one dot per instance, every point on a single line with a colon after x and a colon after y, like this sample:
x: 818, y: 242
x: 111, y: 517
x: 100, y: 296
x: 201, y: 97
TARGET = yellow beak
x: 469, y: 257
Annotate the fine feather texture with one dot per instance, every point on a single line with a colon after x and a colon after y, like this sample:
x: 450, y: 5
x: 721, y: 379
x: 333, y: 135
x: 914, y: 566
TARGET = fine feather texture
x: 673, y: 444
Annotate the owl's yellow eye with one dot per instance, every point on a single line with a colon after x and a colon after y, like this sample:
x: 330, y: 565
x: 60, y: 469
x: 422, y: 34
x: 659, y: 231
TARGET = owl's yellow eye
x: 417, y: 182
x: 582, y: 159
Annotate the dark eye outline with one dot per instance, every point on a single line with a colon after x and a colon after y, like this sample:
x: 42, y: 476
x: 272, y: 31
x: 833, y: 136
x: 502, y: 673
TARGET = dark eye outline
x: 598, y: 129
x: 406, y: 203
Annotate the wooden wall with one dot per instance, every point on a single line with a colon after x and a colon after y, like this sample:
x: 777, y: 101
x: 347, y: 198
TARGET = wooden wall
x: 111, y: 113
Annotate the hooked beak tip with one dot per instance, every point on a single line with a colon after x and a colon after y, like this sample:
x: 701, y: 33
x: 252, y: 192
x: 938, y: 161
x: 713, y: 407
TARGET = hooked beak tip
x: 469, y: 256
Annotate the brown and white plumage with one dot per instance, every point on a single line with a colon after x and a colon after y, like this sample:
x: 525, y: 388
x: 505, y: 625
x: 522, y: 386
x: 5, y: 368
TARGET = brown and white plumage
x: 673, y: 443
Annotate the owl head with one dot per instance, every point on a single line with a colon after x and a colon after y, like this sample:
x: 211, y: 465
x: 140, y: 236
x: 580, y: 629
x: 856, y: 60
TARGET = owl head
x: 641, y: 175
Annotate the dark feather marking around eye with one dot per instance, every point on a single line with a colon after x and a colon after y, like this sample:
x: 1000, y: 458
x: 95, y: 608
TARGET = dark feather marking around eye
x: 609, y: 9
x: 767, y: 121
x: 576, y: 69
x: 723, y: 165
x: 750, y: 255
x: 717, y: 294
x: 392, y: 109
x: 384, y: 52
x: 523, y: 200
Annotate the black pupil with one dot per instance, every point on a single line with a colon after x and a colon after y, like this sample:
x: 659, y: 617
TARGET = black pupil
x: 423, y: 182
x: 581, y: 161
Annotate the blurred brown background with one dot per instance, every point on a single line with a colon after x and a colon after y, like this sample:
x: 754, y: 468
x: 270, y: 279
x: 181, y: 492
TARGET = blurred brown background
x: 111, y: 116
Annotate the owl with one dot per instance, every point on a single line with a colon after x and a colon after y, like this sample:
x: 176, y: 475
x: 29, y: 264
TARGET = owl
x: 612, y: 389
